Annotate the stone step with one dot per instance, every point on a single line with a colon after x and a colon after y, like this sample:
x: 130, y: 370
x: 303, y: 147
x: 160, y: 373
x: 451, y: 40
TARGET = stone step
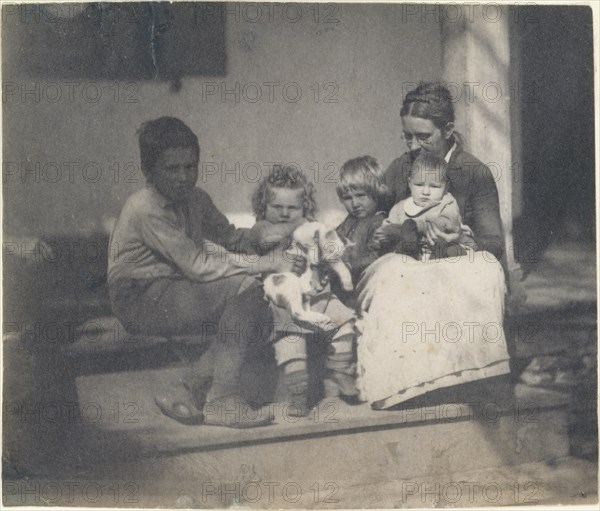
x: 323, y: 459
x: 121, y: 436
x: 337, y: 443
x: 566, y: 481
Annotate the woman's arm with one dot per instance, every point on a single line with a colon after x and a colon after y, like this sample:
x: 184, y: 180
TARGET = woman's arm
x: 448, y: 219
x: 485, y: 208
x: 445, y: 228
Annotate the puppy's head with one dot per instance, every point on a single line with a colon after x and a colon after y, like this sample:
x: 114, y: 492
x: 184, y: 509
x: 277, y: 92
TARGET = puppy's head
x: 306, y: 235
x: 306, y: 240
x: 324, y: 241
x: 321, y: 244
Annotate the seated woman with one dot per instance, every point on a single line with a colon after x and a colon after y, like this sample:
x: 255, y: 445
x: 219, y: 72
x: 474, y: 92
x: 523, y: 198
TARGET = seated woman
x: 177, y: 268
x: 430, y: 325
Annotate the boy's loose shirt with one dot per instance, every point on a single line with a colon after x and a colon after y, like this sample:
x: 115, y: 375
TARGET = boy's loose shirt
x: 154, y: 238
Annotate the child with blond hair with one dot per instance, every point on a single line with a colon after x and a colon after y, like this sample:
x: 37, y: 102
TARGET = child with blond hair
x: 285, y: 198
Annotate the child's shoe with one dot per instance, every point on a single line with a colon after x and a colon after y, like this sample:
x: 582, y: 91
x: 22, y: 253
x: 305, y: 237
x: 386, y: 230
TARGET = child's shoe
x: 340, y: 379
x: 293, y: 390
x: 341, y: 385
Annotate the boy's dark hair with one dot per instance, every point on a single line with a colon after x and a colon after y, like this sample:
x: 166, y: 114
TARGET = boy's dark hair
x: 284, y: 176
x: 430, y: 162
x: 158, y: 135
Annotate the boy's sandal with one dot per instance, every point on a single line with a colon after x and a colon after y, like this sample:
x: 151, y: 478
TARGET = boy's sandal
x: 180, y: 411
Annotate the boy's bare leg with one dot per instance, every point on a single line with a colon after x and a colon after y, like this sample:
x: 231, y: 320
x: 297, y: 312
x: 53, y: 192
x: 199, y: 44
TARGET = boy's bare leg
x: 245, y: 324
x: 213, y: 310
x: 179, y: 307
x: 198, y: 376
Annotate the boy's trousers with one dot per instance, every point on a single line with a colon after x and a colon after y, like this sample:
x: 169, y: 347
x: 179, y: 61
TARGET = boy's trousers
x: 229, y: 316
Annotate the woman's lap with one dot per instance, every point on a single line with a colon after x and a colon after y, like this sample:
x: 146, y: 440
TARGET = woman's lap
x: 430, y: 325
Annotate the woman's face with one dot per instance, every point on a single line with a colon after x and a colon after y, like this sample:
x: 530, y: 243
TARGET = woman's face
x: 423, y: 134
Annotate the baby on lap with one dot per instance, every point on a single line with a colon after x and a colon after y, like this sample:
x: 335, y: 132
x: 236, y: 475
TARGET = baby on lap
x: 430, y: 203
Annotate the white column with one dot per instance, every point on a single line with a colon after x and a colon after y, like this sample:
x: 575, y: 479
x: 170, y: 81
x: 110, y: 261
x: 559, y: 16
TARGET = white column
x: 477, y: 69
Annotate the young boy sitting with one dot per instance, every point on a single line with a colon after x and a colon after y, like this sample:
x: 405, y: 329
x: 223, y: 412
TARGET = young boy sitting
x: 173, y: 270
x: 362, y: 191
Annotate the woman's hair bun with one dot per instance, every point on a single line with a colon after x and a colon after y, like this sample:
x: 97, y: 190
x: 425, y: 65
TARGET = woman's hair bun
x: 430, y: 100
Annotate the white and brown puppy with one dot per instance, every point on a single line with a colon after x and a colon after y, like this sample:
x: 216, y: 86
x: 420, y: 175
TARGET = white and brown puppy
x: 320, y: 245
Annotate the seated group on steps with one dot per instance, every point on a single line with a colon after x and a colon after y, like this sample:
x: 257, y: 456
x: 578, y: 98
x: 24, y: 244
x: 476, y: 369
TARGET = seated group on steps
x: 406, y: 296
